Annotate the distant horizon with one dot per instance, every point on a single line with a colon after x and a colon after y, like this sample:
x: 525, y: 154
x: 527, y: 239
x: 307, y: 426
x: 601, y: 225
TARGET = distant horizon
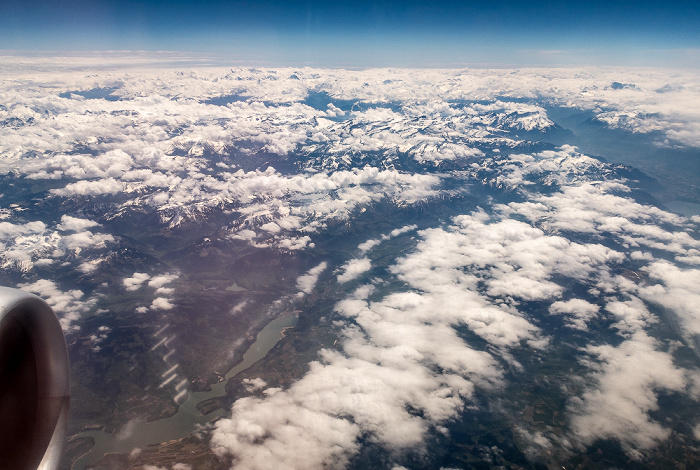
x: 363, y: 34
x: 683, y: 59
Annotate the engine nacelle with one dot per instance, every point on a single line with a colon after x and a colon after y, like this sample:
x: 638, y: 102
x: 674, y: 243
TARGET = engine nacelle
x: 34, y: 383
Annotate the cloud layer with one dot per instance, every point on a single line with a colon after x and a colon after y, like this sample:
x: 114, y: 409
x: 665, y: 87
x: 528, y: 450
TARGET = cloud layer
x: 513, y: 249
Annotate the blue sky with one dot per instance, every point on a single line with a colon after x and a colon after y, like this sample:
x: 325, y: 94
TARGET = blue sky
x: 366, y: 33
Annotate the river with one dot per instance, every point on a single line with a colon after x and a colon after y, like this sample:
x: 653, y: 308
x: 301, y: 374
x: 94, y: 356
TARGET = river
x: 140, y: 433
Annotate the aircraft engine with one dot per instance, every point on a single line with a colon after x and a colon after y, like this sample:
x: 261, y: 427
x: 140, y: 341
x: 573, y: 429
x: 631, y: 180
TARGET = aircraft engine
x: 34, y: 383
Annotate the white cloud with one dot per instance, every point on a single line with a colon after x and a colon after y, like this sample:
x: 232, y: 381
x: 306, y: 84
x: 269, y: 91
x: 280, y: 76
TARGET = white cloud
x: 589, y: 208
x: 627, y: 381
x: 578, y: 312
x: 353, y: 269
x: 161, y: 303
x: 252, y: 385
x: 677, y: 289
x: 631, y: 315
x: 469, y: 274
x: 371, y: 243
x: 75, y: 224
x: 90, y: 188
x: 78, y: 241
x: 385, y: 365
x: 23, y: 246
x: 400, y: 231
x: 157, y: 282
x: 9, y: 230
x: 517, y: 259
x: 89, y: 266
x: 243, y: 235
x: 307, y: 282
x: 69, y: 306
x: 368, y: 245
x: 136, y: 281
x: 270, y: 227
x: 23, y: 243
x: 292, y: 244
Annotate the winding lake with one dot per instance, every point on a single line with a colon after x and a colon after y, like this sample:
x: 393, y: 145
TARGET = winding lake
x: 140, y: 433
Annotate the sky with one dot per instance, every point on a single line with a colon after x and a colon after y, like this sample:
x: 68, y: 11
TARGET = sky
x: 366, y: 33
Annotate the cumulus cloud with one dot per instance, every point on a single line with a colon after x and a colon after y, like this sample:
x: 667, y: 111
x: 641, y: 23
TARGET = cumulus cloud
x: 10, y: 230
x: 245, y: 234
x: 307, y: 282
x: 591, y: 208
x: 295, y: 243
x: 252, y: 385
x: 157, y: 282
x: 89, y: 266
x: 78, y: 241
x: 136, y: 281
x: 577, y: 311
x: 90, y: 188
x: 69, y: 305
x: 400, y: 231
x: 385, y: 367
x: 475, y: 273
x: 371, y: 243
x: 353, y: 269
x: 270, y: 227
x: 627, y: 382
x: 25, y: 243
x: 161, y: 303
x: 75, y: 224
x: 368, y: 245
x: 678, y: 289
x: 631, y: 315
x: 517, y: 259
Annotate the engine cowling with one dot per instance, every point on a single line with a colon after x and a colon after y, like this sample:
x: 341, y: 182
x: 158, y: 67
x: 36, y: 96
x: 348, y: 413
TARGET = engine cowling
x: 34, y: 383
